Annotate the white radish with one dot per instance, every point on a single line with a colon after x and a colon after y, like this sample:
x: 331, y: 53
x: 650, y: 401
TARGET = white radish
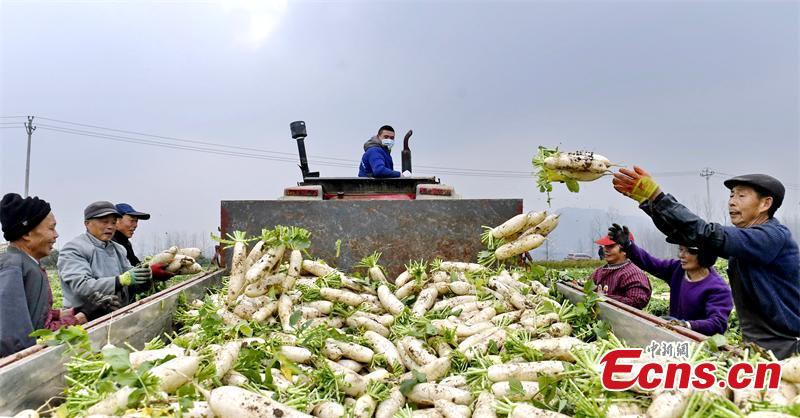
x: 350, y: 364
x: 417, y: 351
x: 323, y: 306
x: 389, y: 301
x: 176, y: 372
x: 433, y: 371
x: 297, y: 354
x: 365, y: 407
x: 247, y: 306
x: 136, y: 358
x: 621, y: 409
x: 343, y: 296
x: 237, y: 281
x: 164, y: 257
x: 524, y: 371
x: 234, y: 378
x: 378, y: 375
x: 545, y: 227
x: 112, y: 403
x: 668, y: 404
x: 504, y: 390
x: 407, y: 290
x: 521, y: 245
x: 329, y: 409
x: 279, y: 381
x: 578, y: 162
x: 790, y: 369
x: 255, y: 254
x: 317, y: 268
x: 461, y: 267
x: 225, y: 357
x: 462, y: 288
x: 265, y: 264
x: 556, y: 348
x: 484, y: 315
x: 497, y: 338
x: 389, y: 407
x: 331, y: 350
x: 293, y: 272
x: 191, y: 252
x: 781, y: 396
x: 229, y: 318
x: 456, y: 381
x: 428, y: 393
x: 179, y: 261
x: 263, y: 285
x: 523, y: 410
x: 451, y: 410
x: 560, y: 329
x: 285, y: 311
x: 484, y: 406
x: 511, y: 226
x: 265, y: 312
x: 474, y: 339
x: 353, y: 351
x: 454, y: 302
x: 402, y: 279
x: 405, y: 358
x: 425, y: 300
x: 235, y: 402
x: 368, y: 324
x: 355, y: 384
x: 383, y: 346
x: 426, y: 413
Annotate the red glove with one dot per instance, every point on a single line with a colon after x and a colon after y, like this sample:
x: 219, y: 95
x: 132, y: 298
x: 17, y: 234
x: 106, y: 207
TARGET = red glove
x: 159, y: 271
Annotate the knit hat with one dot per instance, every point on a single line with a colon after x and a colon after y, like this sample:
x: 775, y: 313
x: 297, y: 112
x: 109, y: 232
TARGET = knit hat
x: 19, y: 216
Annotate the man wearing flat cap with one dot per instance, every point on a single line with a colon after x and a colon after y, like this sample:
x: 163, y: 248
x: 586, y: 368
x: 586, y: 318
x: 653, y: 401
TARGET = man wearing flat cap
x: 126, y: 226
x: 92, y: 264
x: 763, y: 258
x: 26, y: 300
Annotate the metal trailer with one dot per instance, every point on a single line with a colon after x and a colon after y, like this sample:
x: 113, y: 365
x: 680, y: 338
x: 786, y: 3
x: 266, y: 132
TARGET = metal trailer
x: 32, y: 377
x: 405, y: 219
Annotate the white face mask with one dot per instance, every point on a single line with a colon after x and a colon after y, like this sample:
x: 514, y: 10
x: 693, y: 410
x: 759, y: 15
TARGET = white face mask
x: 388, y: 143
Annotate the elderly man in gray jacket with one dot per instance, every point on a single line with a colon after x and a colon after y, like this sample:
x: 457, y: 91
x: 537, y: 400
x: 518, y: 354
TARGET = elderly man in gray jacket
x: 92, y: 264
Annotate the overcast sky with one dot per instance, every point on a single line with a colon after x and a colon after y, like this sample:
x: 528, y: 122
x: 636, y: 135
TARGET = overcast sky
x: 672, y: 86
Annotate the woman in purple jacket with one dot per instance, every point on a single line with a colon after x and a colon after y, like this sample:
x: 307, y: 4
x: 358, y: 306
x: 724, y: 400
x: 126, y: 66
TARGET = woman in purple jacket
x: 699, y: 299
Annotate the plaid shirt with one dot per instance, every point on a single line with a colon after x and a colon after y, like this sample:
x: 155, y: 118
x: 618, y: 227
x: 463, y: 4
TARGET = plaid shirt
x: 624, y: 283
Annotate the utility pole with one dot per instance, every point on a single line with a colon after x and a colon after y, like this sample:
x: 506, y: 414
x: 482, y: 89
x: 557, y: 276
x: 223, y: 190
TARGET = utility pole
x: 707, y: 173
x: 29, y: 128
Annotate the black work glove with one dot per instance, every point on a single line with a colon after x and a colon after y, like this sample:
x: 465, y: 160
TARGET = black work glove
x: 675, y: 321
x: 621, y: 235
x: 108, y: 303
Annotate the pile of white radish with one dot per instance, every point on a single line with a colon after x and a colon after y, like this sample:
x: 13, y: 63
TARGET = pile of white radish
x: 569, y: 168
x: 520, y: 234
x: 179, y: 260
x: 295, y: 337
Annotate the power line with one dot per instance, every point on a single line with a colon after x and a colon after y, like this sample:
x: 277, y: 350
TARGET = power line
x: 231, y: 150
x: 347, y: 160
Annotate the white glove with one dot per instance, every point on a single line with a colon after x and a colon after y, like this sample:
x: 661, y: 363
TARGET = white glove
x: 406, y: 173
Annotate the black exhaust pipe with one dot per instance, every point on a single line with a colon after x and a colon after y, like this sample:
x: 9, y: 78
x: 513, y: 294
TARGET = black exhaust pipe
x: 299, y: 133
x: 406, y: 154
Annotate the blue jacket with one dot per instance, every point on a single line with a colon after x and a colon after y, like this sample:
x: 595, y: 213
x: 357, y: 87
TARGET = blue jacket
x: 763, y: 269
x: 376, y: 161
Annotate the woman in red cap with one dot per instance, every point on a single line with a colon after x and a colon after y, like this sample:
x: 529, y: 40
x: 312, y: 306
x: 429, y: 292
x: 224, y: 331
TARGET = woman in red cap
x: 620, y: 279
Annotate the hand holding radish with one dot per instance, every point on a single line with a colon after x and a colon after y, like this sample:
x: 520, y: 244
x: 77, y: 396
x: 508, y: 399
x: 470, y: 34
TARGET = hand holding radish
x: 636, y: 184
